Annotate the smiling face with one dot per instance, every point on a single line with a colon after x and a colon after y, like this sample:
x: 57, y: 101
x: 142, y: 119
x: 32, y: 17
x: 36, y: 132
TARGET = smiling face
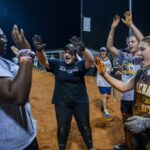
x: 144, y: 52
x: 133, y: 44
x: 69, y: 56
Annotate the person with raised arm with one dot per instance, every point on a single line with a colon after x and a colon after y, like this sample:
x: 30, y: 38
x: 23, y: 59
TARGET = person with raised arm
x: 129, y: 62
x: 70, y: 96
x: 17, y: 126
x: 139, y: 123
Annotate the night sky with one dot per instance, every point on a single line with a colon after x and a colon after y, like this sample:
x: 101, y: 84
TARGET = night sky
x: 57, y: 20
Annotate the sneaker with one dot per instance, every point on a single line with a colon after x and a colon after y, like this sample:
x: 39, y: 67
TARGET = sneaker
x: 120, y: 147
x: 106, y: 113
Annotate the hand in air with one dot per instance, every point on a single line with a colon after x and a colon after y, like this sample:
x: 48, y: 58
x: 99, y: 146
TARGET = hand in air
x: 116, y: 21
x: 128, y: 18
x: 19, y: 38
x: 100, y: 66
x: 22, y: 48
x: 78, y: 43
x: 38, y: 42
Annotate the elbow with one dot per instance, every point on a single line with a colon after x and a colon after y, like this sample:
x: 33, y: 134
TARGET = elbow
x: 20, y: 101
x: 91, y: 61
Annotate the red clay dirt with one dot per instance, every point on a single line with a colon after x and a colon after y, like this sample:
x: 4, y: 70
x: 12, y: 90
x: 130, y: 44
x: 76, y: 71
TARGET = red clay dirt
x: 106, y: 132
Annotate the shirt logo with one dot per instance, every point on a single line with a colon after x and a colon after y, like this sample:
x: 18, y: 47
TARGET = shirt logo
x: 143, y: 89
x: 69, y: 71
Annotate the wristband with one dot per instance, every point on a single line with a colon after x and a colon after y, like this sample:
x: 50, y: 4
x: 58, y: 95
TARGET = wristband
x: 25, y: 59
x: 26, y: 52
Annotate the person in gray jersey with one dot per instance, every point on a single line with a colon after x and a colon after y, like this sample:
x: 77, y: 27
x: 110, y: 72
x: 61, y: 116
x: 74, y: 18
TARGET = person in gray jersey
x: 17, y: 126
x: 129, y: 63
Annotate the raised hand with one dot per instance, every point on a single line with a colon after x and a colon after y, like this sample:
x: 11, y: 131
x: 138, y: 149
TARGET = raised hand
x: 22, y: 47
x: 38, y: 42
x: 128, y: 18
x: 116, y: 21
x: 19, y: 38
x: 100, y: 66
x: 137, y: 124
x: 78, y: 43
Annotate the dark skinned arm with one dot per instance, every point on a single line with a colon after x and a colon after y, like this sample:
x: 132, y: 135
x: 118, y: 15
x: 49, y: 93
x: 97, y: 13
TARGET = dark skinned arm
x: 17, y: 90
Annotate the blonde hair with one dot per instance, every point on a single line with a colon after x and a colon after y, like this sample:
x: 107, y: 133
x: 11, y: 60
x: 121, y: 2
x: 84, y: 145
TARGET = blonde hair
x: 146, y: 39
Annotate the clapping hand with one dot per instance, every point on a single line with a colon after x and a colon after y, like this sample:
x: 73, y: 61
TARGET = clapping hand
x: 38, y: 42
x: 19, y: 38
x: 22, y: 47
x: 100, y: 66
x: 115, y: 22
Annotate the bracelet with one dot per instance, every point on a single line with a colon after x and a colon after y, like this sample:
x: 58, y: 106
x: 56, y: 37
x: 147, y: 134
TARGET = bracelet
x: 26, y: 52
x: 25, y: 59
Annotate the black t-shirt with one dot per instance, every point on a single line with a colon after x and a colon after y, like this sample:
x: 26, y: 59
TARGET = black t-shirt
x: 142, y: 92
x: 70, y: 86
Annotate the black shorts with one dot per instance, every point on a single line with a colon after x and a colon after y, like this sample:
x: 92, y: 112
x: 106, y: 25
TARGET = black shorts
x: 126, y: 106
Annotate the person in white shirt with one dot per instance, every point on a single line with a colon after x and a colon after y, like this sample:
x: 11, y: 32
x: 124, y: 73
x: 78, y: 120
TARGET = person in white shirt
x: 103, y: 85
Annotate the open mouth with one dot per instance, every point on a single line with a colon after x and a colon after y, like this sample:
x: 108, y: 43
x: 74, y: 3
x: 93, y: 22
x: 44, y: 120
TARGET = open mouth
x: 67, y: 58
x: 130, y: 48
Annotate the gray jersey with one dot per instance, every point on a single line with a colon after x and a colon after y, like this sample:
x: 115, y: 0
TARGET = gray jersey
x: 130, y: 65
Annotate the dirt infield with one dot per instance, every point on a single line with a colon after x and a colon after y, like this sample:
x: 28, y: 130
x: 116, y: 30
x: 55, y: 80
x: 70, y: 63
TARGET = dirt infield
x: 106, y: 132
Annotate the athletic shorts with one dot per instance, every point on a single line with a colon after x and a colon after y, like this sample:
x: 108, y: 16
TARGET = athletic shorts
x: 126, y: 106
x: 105, y: 90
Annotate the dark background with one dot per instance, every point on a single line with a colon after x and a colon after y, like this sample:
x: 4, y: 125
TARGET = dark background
x: 102, y: 13
x: 57, y: 20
